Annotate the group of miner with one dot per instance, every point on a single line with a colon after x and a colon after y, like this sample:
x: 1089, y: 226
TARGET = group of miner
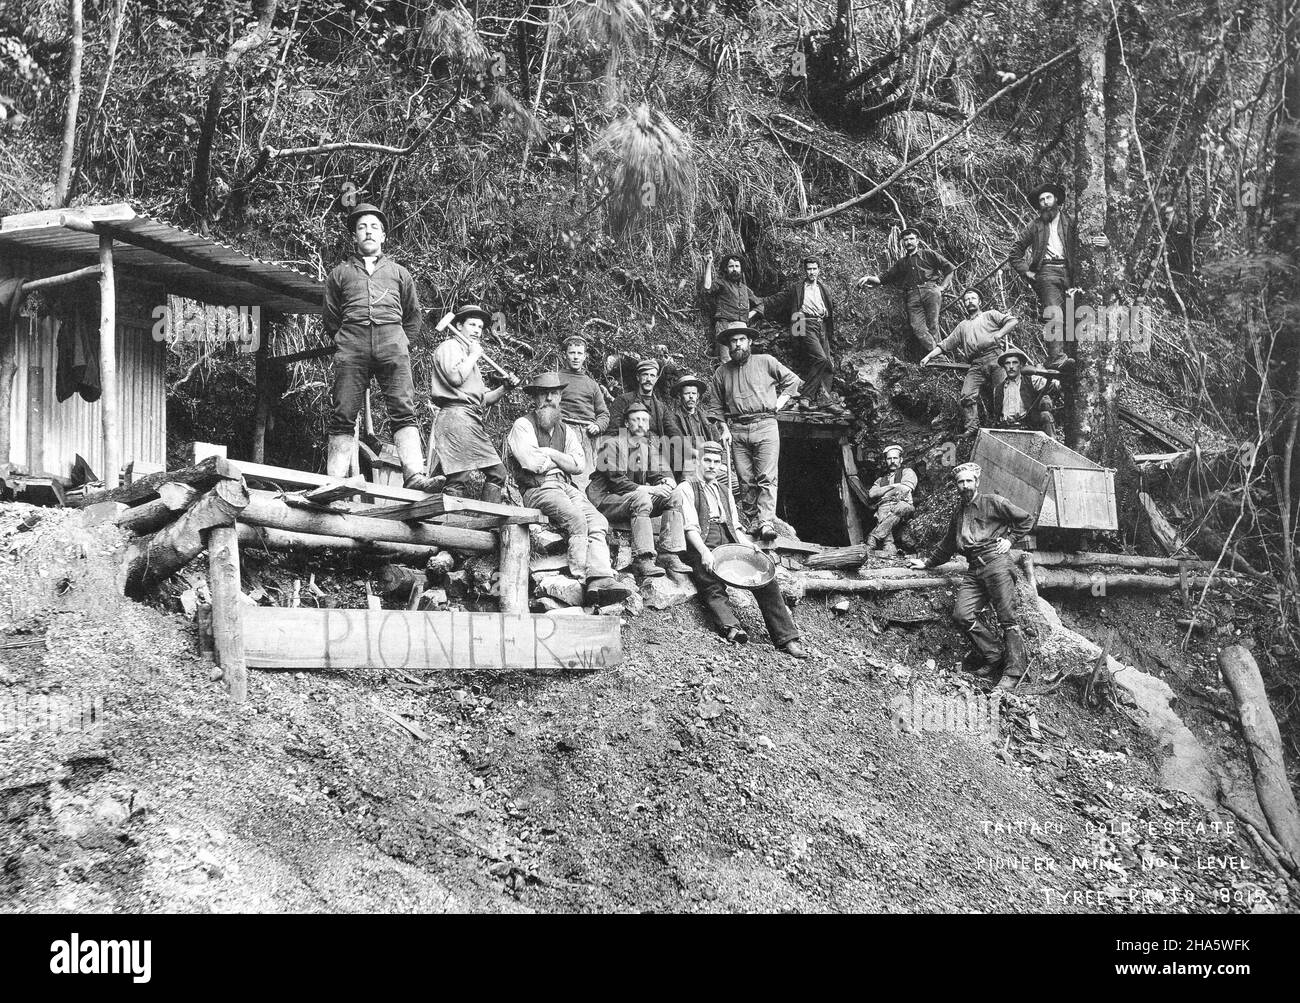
x: 585, y: 460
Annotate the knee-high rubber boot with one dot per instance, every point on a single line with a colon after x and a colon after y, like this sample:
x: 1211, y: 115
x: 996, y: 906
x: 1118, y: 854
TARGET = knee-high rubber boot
x: 492, y: 493
x: 338, y: 456
x: 1016, y: 660
x: 407, y: 441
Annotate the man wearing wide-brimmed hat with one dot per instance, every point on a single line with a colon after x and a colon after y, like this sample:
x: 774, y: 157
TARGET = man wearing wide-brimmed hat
x: 460, y: 440
x: 891, y: 494
x: 751, y: 389
x: 583, y: 403
x: 983, y: 530
x: 544, y: 455
x: 372, y: 311
x: 708, y: 518
x: 691, y: 423
x: 1021, y: 401
x: 923, y: 275
x: 1050, y: 267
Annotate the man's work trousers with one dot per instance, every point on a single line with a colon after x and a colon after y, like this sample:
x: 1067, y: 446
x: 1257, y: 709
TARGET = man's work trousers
x: 1050, y: 285
x: 458, y: 483
x: 722, y: 351
x: 982, y: 378
x: 888, y: 516
x: 638, y: 507
x: 815, y: 348
x: 756, y: 451
x: 583, y: 477
x: 994, y: 582
x: 1039, y: 421
x: 713, y: 593
x: 584, y: 528
x: 371, y: 350
x: 923, y: 304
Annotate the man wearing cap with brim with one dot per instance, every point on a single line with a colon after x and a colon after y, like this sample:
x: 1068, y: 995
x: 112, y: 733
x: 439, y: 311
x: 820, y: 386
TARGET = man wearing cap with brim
x: 1049, y: 267
x: 544, y: 455
x: 661, y: 418
x: 460, y: 440
x: 583, y: 403
x: 922, y: 275
x: 983, y: 530
x: 692, y: 425
x: 632, y: 482
x: 372, y: 311
x: 708, y: 518
x: 891, y: 494
x: 1021, y: 401
x: 751, y: 389
x: 978, y: 340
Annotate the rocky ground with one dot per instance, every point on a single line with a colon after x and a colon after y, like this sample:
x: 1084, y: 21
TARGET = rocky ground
x: 694, y: 777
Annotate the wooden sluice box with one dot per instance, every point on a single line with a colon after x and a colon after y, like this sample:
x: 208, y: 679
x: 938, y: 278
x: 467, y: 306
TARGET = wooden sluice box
x: 1029, y: 469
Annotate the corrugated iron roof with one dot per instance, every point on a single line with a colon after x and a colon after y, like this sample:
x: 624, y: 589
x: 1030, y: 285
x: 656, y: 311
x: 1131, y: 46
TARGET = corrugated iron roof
x: 185, y: 263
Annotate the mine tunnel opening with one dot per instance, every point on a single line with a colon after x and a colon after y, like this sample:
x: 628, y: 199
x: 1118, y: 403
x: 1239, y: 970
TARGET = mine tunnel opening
x: 810, y: 477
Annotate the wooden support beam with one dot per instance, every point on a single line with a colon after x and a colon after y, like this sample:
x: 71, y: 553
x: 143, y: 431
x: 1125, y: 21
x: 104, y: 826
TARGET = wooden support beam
x: 202, y: 476
x: 513, y: 569
x: 303, y: 638
x: 108, y: 363
x: 290, y: 479
x: 267, y: 509
x: 51, y: 281
x: 283, y: 539
x: 153, y: 515
x: 262, y: 378
x: 148, y: 562
x: 813, y: 586
x: 440, y: 505
x: 227, y: 610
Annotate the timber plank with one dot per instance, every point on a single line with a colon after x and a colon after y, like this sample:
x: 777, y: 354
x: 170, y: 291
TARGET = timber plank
x: 202, y: 476
x: 440, y: 505
x: 304, y: 638
x: 289, y: 478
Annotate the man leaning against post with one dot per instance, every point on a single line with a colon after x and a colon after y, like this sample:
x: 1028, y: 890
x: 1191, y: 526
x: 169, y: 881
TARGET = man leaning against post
x: 1052, y: 242
x: 372, y: 311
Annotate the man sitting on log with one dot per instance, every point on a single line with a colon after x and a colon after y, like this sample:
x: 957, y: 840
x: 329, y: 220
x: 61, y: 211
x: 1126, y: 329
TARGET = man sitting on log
x: 978, y: 341
x: 708, y: 518
x: 632, y: 482
x: 692, y: 424
x: 582, y: 404
x: 1021, y: 401
x: 545, y: 456
x: 372, y: 311
x: 460, y: 440
x: 922, y: 276
x: 892, y: 496
x: 983, y: 530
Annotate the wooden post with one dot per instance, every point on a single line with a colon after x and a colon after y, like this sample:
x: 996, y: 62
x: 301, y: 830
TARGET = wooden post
x: 36, y: 420
x: 515, y: 547
x: 108, y: 361
x: 227, y: 616
x: 263, y: 377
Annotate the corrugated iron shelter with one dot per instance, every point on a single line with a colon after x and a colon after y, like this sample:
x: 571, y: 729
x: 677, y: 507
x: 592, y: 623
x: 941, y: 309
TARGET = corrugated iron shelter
x: 138, y: 262
x: 1029, y: 469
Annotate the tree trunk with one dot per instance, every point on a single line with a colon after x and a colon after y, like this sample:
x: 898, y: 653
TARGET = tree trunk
x: 202, y: 179
x: 151, y: 516
x: 74, y: 102
x: 101, y: 91
x: 174, y: 546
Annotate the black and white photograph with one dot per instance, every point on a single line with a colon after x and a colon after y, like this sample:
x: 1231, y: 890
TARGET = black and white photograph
x: 674, y: 457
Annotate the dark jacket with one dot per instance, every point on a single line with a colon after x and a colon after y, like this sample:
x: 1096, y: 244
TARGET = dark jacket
x: 387, y: 297
x: 624, y: 464
x: 731, y: 300
x: 908, y: 272
x: 1034, y: 238
x: 992, y: 518
x: 782, y: 306
x: 690, y: 432
x: 1030, y: 398
x: 661, y: 414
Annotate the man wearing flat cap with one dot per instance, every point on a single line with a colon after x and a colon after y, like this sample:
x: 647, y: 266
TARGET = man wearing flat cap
x: 891, y: 494
x: 632, y: 482
x: 708, y: 517
x: 922, y: 275
x: 545, y: 456
x: 372, y: 311
x: 661, y: 420
x: 692, y: 425
x: 983, y: 530
x: 1049, y: 266
x: 583, y: 403
x: 751, y: 389
x: 1021, y: 401
x: 460, y: 440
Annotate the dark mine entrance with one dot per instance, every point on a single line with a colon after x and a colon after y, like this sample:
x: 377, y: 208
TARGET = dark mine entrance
x: 808, y: 488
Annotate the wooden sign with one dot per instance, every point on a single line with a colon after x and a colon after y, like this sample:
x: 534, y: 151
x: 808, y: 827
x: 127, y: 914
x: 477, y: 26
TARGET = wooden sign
x: 278, y: 638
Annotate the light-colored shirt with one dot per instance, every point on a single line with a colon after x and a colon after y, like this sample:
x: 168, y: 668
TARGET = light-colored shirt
x: 445, y: 383
x: 522, y: 444
x: 1012, y: 405
x: 975, y: 336
x: 754, y: 387
x: 1055, y: 248
x: 906, y: 482
x: 813, y: 304
x: 719, y: 511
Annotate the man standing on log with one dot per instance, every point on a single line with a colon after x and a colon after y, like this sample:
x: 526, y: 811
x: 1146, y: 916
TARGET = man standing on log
x: 978, y: 341
x: 372, y: 311
x: 632, y: 481
x: 545, y: 456
x: 807, y: 307
x: 1051, y: 242
x: 582, y: 404
x: 730, y: 296
x: 460, y: 440
x: 708, y: 518
x: 923, y: 276
x: 1021, y: 401
x: 751, y: 389
x: 983, y: 530
x: 892, y: 495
